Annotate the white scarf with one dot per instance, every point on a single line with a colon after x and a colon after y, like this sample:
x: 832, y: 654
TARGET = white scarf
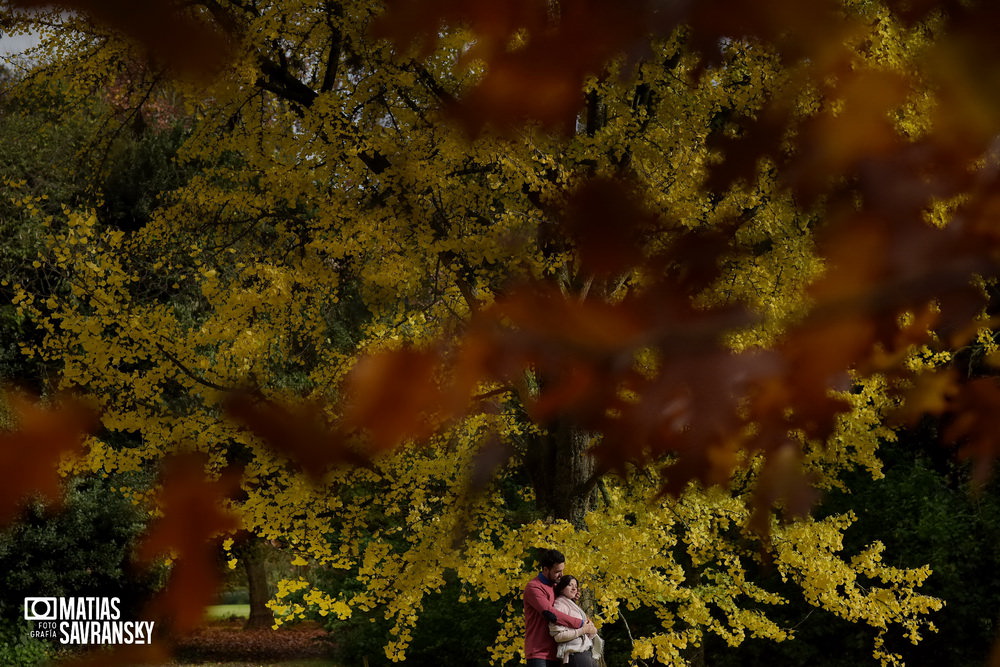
x: 581, y: 643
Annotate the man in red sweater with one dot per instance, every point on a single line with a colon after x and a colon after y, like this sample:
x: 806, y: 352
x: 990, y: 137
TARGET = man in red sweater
x: 539, y: 647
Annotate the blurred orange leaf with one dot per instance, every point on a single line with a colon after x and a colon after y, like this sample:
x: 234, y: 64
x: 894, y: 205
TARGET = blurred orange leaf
x: 974, y: 425
x: 184, y: 38
x: 784, y: 483
x: 931, y: 394
x: 855, y: 125
x: 536, y: 55
x: 193, y: 516
x: 395, y: 396
x: 605, y: 219
x: 31, y: 453
x: 299, y: 431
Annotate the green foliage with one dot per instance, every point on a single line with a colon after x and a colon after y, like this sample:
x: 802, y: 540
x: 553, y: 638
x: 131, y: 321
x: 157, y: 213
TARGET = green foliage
x: 81, y: 550
x: 233, y: 597
x: 450, y: 624
x: 18, y: 648
x: 139, y: 170
x: 50, y: 158
x: 36, y: 179
x: 924, y: 511
x: 15, y: 331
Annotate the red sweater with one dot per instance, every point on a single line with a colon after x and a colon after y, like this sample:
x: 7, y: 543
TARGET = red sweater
x: 538, y: 598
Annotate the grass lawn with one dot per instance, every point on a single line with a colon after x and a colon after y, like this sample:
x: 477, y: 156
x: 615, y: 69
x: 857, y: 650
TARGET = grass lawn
x: 219, y: 612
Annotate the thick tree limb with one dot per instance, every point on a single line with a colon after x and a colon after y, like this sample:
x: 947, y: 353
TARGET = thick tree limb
x: 333, y: 11
x: 188, y: 372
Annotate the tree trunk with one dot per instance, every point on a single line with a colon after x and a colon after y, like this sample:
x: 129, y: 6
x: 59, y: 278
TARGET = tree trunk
x: 695, y: 655
x: 253, y: 559
x: 560, y: 466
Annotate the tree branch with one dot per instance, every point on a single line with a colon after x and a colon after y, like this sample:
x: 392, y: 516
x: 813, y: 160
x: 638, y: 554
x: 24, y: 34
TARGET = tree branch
x: 431, y: 84
x: 333, y: 10
x: 588, y: 486
x: 191, y: 374
x: 282, y: 83
x: 603, y: 488
x: 490, y: 394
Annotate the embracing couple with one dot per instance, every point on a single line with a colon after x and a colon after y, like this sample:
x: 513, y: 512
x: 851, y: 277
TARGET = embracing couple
x: 556, y: 631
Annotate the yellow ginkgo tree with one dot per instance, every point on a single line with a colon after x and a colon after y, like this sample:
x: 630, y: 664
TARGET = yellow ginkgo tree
x: 435, y: 332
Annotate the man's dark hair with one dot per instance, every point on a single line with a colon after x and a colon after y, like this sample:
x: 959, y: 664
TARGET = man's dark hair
x: 550, y: 557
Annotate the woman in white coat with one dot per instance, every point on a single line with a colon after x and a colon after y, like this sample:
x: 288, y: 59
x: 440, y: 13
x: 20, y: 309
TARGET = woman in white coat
x: 574, y: 645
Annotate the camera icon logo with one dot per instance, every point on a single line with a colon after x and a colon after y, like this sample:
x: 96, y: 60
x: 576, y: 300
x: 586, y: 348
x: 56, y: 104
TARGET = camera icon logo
x: 40, y: 609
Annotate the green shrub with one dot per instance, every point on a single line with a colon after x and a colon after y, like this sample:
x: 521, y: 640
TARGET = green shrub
x: 84, y: 549
x: 456, y: 632
x: 235, y: 596
x: 18, y: 648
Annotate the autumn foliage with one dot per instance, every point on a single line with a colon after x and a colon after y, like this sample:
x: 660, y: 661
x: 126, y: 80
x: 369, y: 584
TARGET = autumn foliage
x: 870, y: 132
